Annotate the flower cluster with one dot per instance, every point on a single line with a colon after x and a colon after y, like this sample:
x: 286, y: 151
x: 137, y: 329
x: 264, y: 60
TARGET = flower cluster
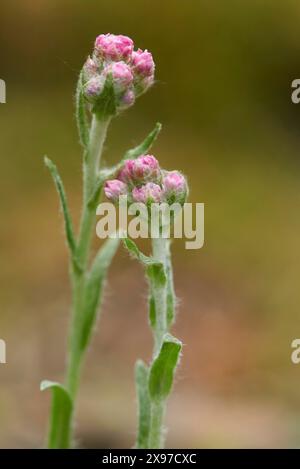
x: 142, y: 180
x: 131, y: 72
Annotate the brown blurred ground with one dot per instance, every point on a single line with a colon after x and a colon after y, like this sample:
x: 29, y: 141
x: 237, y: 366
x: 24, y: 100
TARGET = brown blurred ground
x: 223, y: 94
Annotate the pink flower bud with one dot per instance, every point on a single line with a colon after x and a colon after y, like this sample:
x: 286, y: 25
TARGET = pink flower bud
x: 127, y: 99
x: 90, y: 68
x: 145, y: 83
x: 94, y: 87
x: 175, y: 186
x: 143, y: 169
x: 111, y: 47
x: 148, y: 193
x: 121, y: 74
x: 114, y: 188
x: 142, y: 63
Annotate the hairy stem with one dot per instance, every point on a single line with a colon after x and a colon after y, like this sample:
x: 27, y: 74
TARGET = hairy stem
x: 91, y: 165
x: 78, y: 277
x: 160, y: 251
x: 156, y: 428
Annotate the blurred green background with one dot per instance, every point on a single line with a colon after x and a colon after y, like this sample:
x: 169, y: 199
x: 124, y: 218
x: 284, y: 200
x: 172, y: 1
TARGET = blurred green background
x: 224, y: 73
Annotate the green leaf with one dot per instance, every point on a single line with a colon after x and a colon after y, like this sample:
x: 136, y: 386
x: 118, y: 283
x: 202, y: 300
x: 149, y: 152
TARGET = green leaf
x: 137, y: 254
x: 156, y: 274
x: 65, y: 210
x: 105, y: 105
x: 163, y: 368
x: 61, y: 410
x: 145, y: 145
x: 152, y: 311
x: 81, y: 115
x: 94, y: 286
x: 154, y: 268
x: 144, y: 404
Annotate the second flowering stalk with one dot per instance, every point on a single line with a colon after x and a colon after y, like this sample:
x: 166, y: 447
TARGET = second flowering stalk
x: 145, y: 183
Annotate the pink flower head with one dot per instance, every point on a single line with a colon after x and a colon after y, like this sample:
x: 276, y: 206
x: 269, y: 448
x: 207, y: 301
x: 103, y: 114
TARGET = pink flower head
x: 112, y: 47
x: 148, y: 193
x: 175, y: 186
x: 121, y: 74
x: 143, y: 63
x: 114, y: 188
x: 94, y: 87
x: 144, y: 168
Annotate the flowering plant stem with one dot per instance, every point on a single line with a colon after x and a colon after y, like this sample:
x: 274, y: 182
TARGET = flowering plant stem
x: 86, y: 281
x: 90, y: 171
x: 160, y: 250
x: 154, y: 382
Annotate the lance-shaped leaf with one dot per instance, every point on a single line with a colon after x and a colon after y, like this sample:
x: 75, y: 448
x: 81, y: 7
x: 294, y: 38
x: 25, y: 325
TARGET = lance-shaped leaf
x: 144, y: 404
x: 143, y: 147
x: 81, y: 115
x: 163, y: 368
x: 137, y: 254
x: 65, y: 210
x: 94, y: 286
x: 154, y: 268
x: 60, y: 415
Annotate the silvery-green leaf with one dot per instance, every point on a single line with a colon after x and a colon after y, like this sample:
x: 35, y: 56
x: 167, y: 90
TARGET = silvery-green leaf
x: 154, y: 268
x: 81, y: 115
x: 145, y: 146
x: 61, y: 409
x: 65, y: 210
x: 163, y: 368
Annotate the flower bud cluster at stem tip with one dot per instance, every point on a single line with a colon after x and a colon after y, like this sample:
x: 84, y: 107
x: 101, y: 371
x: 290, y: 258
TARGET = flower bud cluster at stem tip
x: 131, y: 72
x: 142, y: 180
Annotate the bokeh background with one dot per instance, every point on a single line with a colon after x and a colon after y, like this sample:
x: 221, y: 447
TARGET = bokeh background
x: 224, y: 73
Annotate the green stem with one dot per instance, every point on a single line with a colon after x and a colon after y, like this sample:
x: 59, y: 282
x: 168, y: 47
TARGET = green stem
x: 78, y: 277
x: 160, y: 251
x: 156, y: 428
x: 91, y: 166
